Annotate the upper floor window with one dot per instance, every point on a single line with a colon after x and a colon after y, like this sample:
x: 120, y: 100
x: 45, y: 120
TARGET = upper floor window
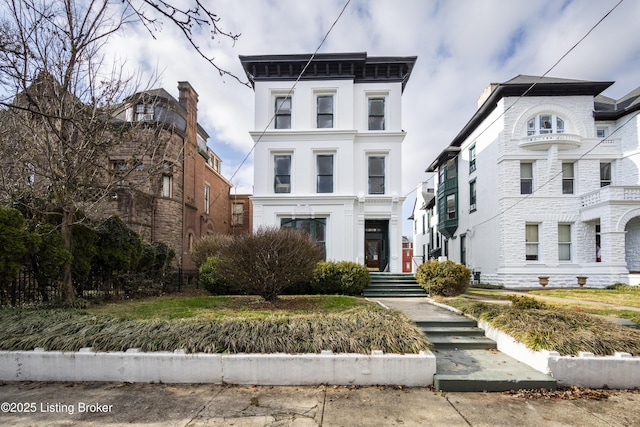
x: 144, y: 112
x: 601, y: 133
x: 451, y: 206
x: 472, y: 196
x: 567, y: 178
x: 472, y: 158
x: 545, y: 123
x: 283, y: 112
x: 376, y: 114
x: 282, y: 175
x: 376, y: 175
x: 605, y: 174
x: 325, y: 173
x: 324, y: 111
x: 526, y: 178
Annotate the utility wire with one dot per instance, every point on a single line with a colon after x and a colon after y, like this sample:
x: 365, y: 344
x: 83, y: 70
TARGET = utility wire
x: 542, y: 76
x: 288, y: 96
x: 529, y: 90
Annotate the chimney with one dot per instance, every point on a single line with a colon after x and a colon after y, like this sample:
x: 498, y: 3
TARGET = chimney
x: 486, y: 93
x: 188, y: 98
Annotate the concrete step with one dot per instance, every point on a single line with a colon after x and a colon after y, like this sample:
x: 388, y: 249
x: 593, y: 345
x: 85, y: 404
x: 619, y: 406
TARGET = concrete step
x: 458, y: 331
x: 485, y: 370
x: 393, y: 294
x: 461, y: 342
x: 452, y: 321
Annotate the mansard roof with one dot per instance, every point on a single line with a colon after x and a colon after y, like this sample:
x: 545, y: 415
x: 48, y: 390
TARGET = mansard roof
x: 356, y: 66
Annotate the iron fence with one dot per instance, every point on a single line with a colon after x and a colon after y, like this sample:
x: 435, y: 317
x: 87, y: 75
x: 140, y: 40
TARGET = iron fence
x: 25, y: 289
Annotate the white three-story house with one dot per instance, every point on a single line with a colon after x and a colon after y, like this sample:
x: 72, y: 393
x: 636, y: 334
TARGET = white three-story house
x: 328, y: 136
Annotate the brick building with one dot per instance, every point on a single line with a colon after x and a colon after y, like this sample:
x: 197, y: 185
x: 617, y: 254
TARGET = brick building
x: 149, y: 163
x: 175, y: 192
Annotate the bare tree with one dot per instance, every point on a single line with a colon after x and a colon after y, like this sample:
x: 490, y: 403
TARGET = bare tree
x: 61, y: 103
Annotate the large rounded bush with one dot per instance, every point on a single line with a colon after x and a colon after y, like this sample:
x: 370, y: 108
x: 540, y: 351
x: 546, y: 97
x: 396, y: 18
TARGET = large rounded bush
x: 446, y: 278
x: 344, y: 277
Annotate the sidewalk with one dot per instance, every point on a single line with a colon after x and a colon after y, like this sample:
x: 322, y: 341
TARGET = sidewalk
x: 149, y: 405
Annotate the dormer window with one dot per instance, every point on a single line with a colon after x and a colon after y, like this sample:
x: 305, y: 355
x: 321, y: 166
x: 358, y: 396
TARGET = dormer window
x: 144, y: 112
x: 544, y: 124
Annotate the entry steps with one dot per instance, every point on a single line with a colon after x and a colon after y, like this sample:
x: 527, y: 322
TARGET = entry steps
x: 393, y: 285
x: 466, y: 360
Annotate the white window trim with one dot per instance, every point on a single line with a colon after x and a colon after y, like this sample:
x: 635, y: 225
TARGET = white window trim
x: 387, y: 178
x: 539, y: 243
x: 279, y: 93
x: 569, y: 243
x: 387, y: 121
x: 324, y: 92
x: 314, y: 170
x: 272, y: 170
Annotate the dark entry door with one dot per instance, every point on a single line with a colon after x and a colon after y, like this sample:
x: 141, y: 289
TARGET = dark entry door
x: 374, y: 247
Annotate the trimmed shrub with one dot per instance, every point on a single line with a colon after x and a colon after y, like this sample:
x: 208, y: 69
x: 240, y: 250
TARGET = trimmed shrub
x: 344, y: 278
x: 446, y: 278
x: 268, y: 262
x: 210, y: 279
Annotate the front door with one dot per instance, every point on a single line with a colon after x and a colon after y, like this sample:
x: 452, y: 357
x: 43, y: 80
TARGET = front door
x: 373, y: 253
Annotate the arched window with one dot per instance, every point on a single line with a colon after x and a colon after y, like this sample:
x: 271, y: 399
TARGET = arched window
x: 545, y: 123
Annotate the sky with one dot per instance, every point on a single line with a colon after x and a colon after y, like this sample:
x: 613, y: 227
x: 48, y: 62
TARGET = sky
x: 462, y: 46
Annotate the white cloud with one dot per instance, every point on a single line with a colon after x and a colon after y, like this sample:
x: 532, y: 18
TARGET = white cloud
x: 462, y: 46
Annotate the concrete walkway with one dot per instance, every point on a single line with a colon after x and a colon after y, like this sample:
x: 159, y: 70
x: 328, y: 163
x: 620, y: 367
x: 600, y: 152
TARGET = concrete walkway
x: 150, y: 405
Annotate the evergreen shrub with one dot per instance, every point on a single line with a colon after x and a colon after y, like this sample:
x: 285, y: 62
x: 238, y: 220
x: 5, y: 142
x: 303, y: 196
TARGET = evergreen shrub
x: 344, y: 277
x: 446, y: 278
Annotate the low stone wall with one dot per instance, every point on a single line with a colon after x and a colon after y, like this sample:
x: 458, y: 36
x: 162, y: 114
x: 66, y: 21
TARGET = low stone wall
x: 619, y: 371
x: 254, y: 369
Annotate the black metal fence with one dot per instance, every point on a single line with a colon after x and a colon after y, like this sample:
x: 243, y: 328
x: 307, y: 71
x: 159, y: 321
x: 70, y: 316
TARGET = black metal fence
x: 25, y: 289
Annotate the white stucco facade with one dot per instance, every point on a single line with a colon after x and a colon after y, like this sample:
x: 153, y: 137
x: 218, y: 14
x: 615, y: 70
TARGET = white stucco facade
x: 546, y: 199
x: 341, y: 182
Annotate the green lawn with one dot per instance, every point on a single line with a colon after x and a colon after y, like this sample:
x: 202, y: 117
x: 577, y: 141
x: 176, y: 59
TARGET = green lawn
x: 582, y: 300
x: 628, y: 296
x: 228, y: 324
x: 219, y: 307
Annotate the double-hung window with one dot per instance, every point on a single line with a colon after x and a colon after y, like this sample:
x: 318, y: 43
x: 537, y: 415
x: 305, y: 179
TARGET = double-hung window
x: 283, y: 112
x: 472, y: 158
x: 324, y: 111
x: 451, y: 206
x: 315, y: 227
x: 526, y: 178
x: 564, y: 242
x: 324, y: 182
x: 532, y: 242
x: 605, y: 174
x: 376, y: 114
x: 472, y: 196
x: 282, y: 173
x: 376, y: 175
x: 567, y: 178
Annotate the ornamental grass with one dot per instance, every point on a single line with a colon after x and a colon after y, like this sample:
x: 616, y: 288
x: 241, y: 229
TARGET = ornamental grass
x: 356, y: 330
x: 543, y: 327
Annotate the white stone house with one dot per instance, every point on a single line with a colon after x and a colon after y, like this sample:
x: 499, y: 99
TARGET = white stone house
x: 327, y: 155
x: 425, y: 235
x: 544, y: 180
